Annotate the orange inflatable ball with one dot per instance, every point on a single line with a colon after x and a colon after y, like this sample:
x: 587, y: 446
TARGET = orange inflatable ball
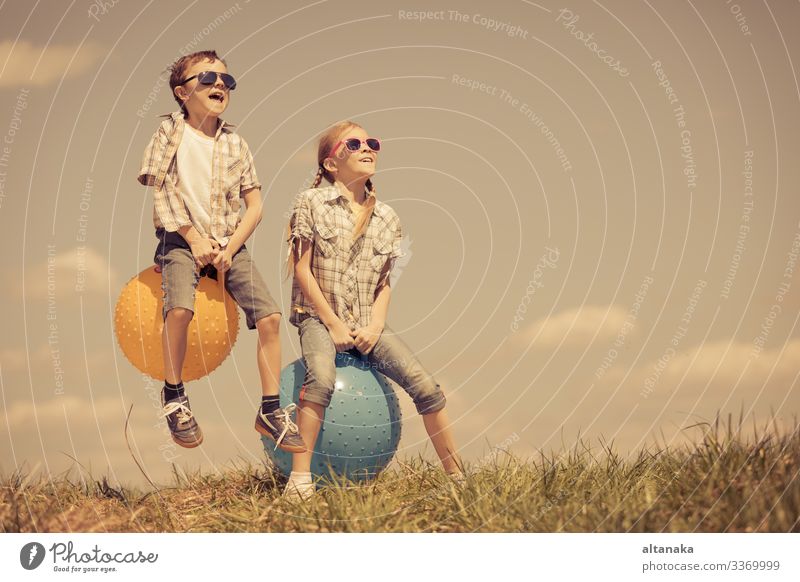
x: 138, y: 324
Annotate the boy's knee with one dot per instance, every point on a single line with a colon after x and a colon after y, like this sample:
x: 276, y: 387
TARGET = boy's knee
x: 179, y: 315
x: 269, y: 325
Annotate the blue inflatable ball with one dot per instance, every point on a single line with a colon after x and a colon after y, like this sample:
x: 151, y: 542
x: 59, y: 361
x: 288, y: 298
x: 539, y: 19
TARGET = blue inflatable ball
x: 361, y: 429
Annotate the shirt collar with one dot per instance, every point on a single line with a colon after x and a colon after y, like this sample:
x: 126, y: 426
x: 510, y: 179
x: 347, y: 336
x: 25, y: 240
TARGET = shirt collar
x: 333, y: 193
x: 177, y: 117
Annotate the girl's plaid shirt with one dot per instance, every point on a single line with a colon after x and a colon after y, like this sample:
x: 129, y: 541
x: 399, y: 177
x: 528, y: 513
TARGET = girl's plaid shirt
x: 349, y: 273
x: 232, y: 174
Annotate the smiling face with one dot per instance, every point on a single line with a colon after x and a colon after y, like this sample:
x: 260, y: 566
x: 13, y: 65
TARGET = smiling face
x: 349, y: 166
x: 202, y: 101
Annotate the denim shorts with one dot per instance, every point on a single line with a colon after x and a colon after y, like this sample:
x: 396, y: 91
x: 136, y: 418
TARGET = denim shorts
x: 180, y: 276
x: 390, y: 356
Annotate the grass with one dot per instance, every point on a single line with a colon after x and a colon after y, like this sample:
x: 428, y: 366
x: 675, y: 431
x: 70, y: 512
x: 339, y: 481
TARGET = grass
x: 723, y: 483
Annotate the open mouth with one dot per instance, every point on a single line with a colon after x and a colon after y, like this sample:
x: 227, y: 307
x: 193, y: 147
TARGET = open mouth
x: 367, y: 159
x: 217, y: 97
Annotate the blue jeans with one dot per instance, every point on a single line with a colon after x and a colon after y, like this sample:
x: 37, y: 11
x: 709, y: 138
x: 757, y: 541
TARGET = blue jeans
x: 390, y: 356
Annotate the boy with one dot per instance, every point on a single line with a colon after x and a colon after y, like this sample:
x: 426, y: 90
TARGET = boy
x: 199, y: 169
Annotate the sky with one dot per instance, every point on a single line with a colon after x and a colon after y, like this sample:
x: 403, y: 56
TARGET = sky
x: 599, y: 201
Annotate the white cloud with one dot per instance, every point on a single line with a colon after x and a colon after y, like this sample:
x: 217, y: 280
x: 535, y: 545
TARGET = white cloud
x: 68, y: 269
x: 725, y: 362
x: 576, y: 327
x: 26, y: 64
x: 711, y: 372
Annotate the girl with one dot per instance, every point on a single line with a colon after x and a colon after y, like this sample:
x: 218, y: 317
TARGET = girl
x: 343, y: 243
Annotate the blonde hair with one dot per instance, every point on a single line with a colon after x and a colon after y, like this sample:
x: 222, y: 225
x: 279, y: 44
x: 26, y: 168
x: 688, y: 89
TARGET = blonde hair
x: 326, y: 143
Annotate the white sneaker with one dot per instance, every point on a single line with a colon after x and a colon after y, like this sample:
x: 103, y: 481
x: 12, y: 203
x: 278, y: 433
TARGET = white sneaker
x: 299, y: 489
x: 458, y: 478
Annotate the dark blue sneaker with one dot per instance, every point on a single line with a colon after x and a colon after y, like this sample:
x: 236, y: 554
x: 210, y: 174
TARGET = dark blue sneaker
x: 184, y: 428
x: 279, y: 427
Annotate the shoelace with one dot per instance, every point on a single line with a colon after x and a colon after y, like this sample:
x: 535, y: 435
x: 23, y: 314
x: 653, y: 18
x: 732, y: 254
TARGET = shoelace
x: 184, y: 414
x: 288, y: 425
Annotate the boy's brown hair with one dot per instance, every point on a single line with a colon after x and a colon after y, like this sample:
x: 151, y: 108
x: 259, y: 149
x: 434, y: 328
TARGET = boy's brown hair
x: 178, y: 70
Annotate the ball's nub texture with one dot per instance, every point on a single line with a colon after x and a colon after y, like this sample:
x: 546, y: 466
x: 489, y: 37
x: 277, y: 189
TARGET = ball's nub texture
x: 361, y: 430
x: 138, y: 324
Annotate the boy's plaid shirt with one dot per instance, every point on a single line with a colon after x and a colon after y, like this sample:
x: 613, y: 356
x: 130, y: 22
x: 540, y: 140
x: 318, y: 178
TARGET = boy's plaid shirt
x: 349, y: 273
x: 232, y: 174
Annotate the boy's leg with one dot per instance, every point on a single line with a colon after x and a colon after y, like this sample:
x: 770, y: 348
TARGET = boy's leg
x: 178, y: 281
x: 245, y: 284
x: 173, y: 342
x: 392, y: 357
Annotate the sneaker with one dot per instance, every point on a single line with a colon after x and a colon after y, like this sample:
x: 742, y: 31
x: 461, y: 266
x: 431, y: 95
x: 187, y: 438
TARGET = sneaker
x: 279, y: 427
x: 457, y: 478
x: 298, y: 491
x: 184, y: 428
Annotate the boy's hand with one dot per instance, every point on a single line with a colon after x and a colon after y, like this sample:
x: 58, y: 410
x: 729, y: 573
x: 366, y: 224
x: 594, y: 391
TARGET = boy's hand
x: 223, y: 260
x: 365, y: 338
x: 204, y: 250
x: 340, y: 334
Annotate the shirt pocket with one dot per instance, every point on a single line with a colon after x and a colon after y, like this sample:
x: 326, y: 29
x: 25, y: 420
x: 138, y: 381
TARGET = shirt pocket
x: 382, y: 248
x: 326, y: 240
x: 233, y: 177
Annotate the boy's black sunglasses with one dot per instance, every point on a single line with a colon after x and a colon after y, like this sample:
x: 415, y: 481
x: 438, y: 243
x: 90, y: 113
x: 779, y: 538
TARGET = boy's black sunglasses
x: 210, y: 77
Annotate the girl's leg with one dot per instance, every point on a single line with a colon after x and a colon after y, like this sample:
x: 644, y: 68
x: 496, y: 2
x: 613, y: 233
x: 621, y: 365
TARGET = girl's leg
x: 309, y: 420
x: 437, y: 425
x: 393, y: 358
x: 319, y: 354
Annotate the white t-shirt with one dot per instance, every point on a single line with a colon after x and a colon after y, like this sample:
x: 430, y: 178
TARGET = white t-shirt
x: 195, y: 154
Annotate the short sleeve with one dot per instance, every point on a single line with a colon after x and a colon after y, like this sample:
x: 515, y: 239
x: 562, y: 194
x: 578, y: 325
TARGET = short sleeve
x: 249, y: 178
x: 153, y: 156
x: 300, y: 223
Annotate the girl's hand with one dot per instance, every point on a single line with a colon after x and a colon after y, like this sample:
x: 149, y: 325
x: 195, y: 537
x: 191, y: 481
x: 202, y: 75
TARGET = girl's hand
x: 223, y: 260
x: 365, y: 338
x: 340, y: 334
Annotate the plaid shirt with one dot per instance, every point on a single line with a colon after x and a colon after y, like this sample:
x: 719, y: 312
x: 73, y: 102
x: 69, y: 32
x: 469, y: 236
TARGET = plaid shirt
x: 233, y: 173
x: 349, y: 273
